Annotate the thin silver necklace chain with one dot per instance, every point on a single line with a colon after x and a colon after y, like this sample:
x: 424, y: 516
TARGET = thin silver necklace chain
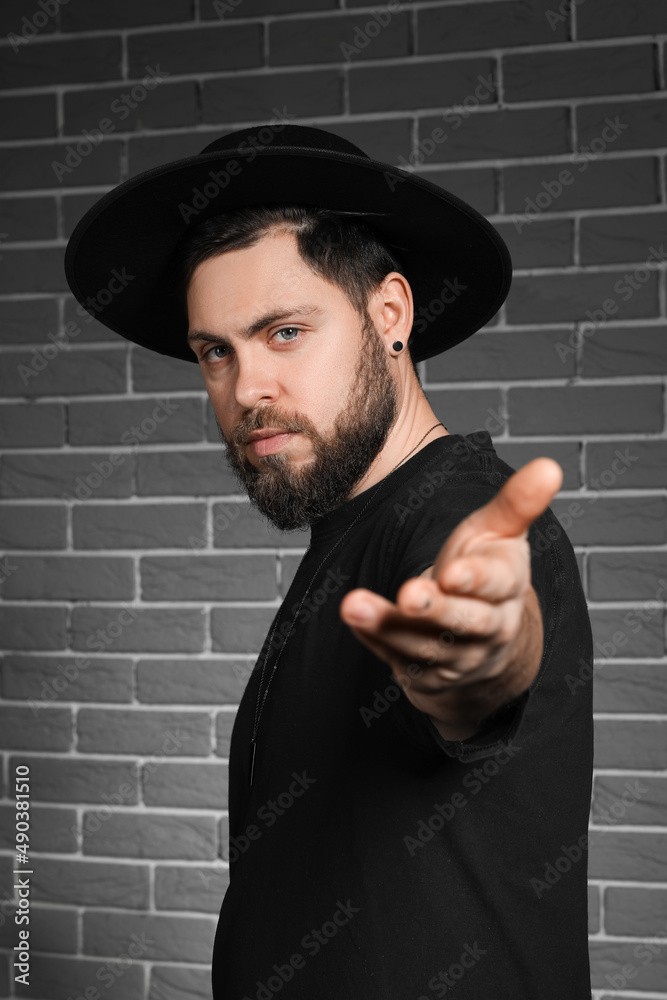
x: 259, y: 705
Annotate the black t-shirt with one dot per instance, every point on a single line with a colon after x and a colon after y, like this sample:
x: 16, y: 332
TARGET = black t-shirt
x: 371, y: 859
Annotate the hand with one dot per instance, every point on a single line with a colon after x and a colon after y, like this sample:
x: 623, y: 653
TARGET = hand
x: 483, y: 619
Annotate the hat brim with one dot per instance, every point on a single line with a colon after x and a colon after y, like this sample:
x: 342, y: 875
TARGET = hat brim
x: 457, y: 264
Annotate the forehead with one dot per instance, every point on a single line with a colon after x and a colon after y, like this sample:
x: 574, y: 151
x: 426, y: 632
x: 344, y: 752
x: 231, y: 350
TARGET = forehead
x: 270, y: 274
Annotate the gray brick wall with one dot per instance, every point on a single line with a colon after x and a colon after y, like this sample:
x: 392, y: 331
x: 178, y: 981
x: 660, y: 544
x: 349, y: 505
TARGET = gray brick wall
x: 135, y: 592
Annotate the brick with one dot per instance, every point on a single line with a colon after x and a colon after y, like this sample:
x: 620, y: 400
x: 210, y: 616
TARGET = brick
x: 131, y: 422
x: 51, y: 830
x: 155, y: 733
x: 207, y: 578
x: 416, y: 85
x: 125, y: 14
x: 596, y: 520
x: 24, y: 321
x: 209, y: 682
x: 597, y: 19
x: 645, y: 464
x: 224, y: 724
x: 593, y: 297
x: 198, y: 50
x: 12, y: 22
x: 633, y: 632
x: 154, y: 630
x: 187, y: 786
x: 84, y: 60
x: 60, y: 978
x: 645, y: 799
x: 338, y: 38
x: 242, y: 524
x: 387, y: 139
x: 18, y: 730
x: 639, y: 912
x: 631, y: 350
x: 186, y: 939
x: 486, y: 26
x: 255, y: 8
x: 491, y: 355
x: 593, y: 909
x: 32, y: 271
x: 191, y: 473
x: 153, y: 373
x: 627, y: 965
x: 29, y: 167
x: 593, y: 184
x: 544, y: 243
x: 35, y: 627
x: 71, y: 578
x: 70, y: 475
x: 30, y: 425
x: 621, y: 743
x: 28, y: 218
x: 240, y: 630
x: 566, y: 453
x: 623, y: 576
x: 151, y: 835
x: 489, y: 135
x: 52, y: 371
x: 476, y: 186
x: 630, y: 687
x: 131, y: 107
x: 66, y: 679
x: 54, y: 928
x: 463, y: 411
x: 175, y: 980
x: 635, y: 856
x: 137, y: 525
x: 244, y: 98
x: 91, y: 883
x: 646, y: 121
x: 200, y: 889
x: 147, y: 151
x: 612, y: 239
x: 82, y: 780
x: 578, y: 410
x: 580, y: 72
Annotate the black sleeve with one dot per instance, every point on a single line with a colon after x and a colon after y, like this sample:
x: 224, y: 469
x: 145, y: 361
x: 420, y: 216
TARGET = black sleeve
x: 416, y: 551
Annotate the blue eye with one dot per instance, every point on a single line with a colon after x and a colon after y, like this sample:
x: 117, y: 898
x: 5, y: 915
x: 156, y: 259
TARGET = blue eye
x: 224, y: 347
x: 282, y: 330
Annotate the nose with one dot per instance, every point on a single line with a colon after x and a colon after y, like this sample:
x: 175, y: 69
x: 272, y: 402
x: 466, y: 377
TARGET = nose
x: 256, y: 381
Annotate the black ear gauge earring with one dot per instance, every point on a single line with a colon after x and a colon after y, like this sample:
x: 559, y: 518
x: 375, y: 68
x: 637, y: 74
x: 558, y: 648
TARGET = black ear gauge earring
x: 397, y: 345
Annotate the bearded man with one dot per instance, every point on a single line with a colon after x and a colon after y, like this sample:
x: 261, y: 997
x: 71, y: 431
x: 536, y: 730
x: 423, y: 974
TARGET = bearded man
x: 410, y: 770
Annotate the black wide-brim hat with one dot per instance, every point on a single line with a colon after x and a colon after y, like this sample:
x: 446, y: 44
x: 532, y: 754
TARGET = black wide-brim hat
x: 117, y: 258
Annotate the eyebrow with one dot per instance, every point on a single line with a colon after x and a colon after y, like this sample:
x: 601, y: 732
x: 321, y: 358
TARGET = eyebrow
x: 257, y: 325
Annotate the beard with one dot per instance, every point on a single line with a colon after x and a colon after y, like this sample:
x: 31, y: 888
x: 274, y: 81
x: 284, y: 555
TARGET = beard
x: 294, y: 498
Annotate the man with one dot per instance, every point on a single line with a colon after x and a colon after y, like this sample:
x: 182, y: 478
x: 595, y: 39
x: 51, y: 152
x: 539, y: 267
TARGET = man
x: 410, y: 771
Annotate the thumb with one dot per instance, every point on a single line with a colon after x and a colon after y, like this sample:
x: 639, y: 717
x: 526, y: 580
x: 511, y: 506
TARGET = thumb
x: 520, y: 500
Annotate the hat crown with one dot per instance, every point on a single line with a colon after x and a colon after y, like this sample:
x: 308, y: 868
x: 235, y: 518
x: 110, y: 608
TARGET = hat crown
x: 305, y: 136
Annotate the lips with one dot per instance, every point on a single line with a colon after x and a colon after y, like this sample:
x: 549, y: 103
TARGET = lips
x: 268, y: 440
x: 265, y: 432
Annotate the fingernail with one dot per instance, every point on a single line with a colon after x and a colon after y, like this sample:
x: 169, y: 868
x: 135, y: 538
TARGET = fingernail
x: 363, y: 610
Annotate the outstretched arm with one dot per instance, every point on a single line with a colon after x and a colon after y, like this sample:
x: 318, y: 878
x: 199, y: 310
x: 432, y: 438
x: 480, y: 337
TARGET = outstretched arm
x: 478, y: 642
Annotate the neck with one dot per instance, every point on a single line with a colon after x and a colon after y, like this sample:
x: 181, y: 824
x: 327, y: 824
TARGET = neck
x: 414, y: 420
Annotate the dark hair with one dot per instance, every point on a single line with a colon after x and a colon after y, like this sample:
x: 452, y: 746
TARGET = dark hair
x: 343, y: 250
